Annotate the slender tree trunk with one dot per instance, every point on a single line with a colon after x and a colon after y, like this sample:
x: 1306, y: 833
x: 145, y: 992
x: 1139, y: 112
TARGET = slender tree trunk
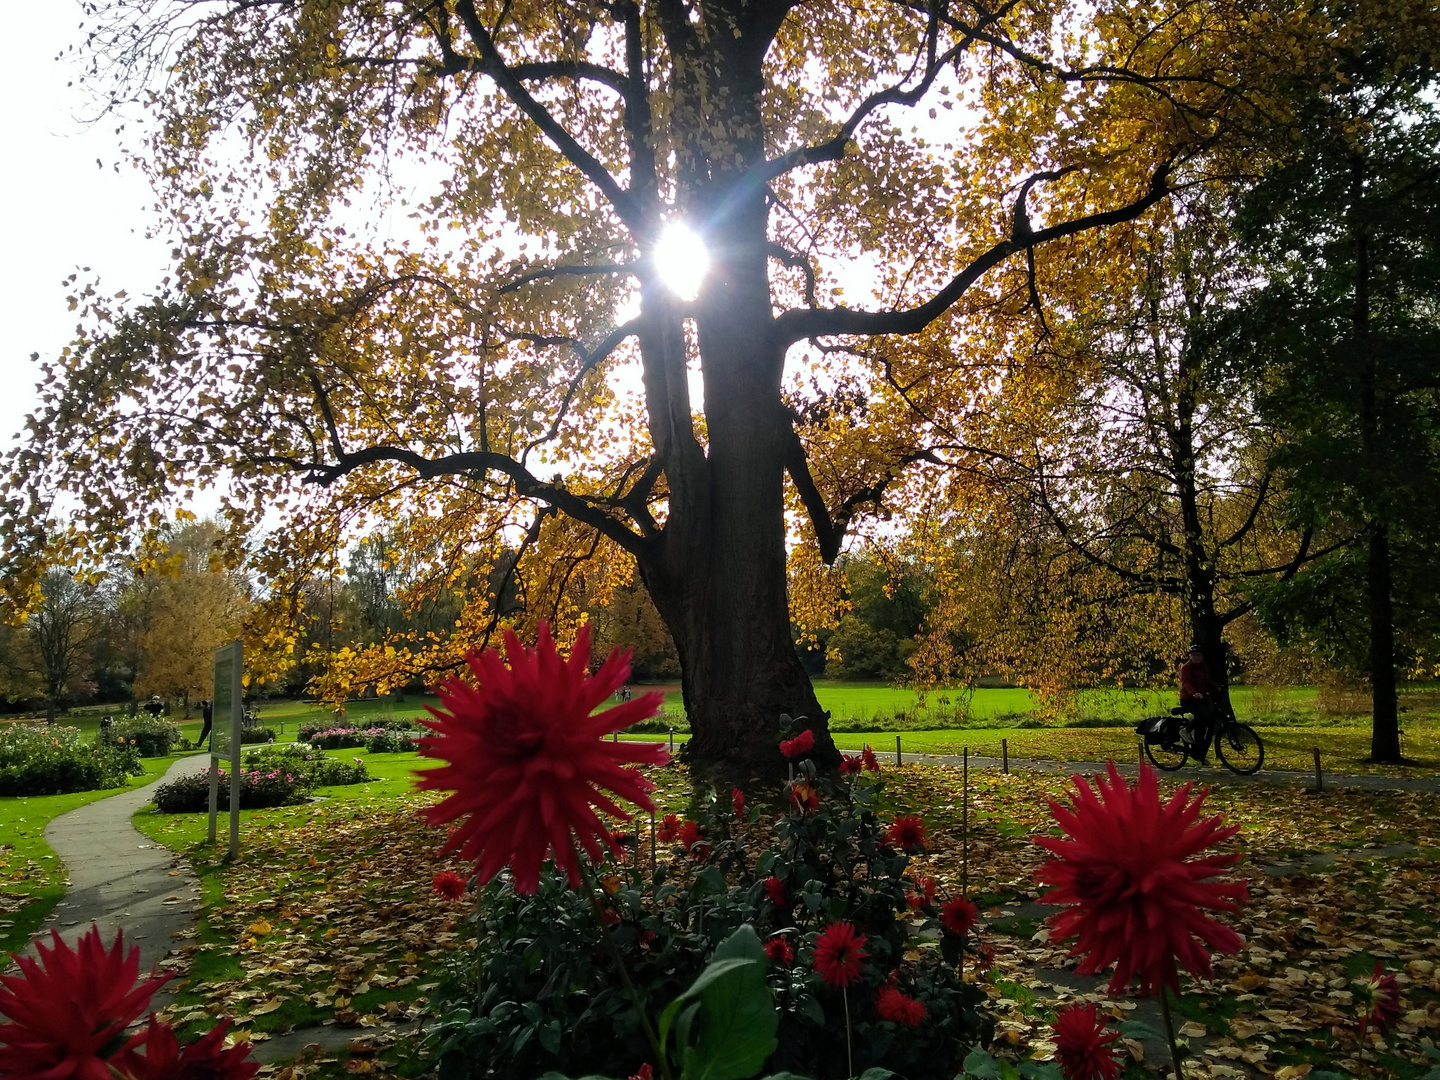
x: 1385, y: 704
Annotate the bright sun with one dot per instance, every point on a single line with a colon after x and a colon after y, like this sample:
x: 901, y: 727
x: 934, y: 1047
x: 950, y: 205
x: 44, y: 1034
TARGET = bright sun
x: 681, y: 261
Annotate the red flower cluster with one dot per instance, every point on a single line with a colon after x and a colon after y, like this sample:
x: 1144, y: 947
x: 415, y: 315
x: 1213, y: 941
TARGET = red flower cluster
x: 1082, y: 1045
x: 690, y: 838
x: 1136, y: 896
x: 775, y: 891
x: 645, y: 1072
x: 68, y: 1012
x: 1380, y: 995
x: 528, y: 766
x: 922, y: 894
x: 780, y: 951
x: 894, y: 1006
x: 737, y: 800
x: 959, y: 916
x: 669, y: 829
x: 907, y: 833
x: 839, y: 954
x: 867, y: 757
x: 850, y: 764
x: 799, y: 746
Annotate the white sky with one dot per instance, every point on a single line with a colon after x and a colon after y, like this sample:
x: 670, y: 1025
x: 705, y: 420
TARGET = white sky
x: 59, y: 211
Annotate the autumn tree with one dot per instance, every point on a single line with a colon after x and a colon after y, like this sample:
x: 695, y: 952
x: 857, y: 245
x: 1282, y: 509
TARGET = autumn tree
x: 188, y: 605
x: 53, y: 650
x: 1345, y: 332
x: 517, y: 362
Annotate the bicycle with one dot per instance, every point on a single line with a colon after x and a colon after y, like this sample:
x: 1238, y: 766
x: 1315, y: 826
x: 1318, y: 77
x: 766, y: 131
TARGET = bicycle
x: 1169, y: 741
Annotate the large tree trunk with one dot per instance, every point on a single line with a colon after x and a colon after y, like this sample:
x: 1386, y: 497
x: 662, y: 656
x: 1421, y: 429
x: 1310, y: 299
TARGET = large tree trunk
x: 1385, y: 705
x: 718, y: 574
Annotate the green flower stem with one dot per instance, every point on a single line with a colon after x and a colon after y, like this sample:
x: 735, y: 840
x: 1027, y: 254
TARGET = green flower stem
x: 591, y: 888
x: 849, y: 1056
x: 1170, y: 1032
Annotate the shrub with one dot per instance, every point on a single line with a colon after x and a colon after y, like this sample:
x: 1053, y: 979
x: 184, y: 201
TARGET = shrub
x: 389, y: 741
x: 256, y: 735
x: 258, y: 790
x: 153, y: 736
x: 309, y: 732
x: 537, y: 992
x: 37, y: 759
x: 315, y: 768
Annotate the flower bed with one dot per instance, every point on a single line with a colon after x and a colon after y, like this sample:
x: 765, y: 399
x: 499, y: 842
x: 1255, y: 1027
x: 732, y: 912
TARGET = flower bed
x: 374, y: 739
x: 37, y: 759
x: 356, y: 734
x: 151, y: 735
x: 283, y: 776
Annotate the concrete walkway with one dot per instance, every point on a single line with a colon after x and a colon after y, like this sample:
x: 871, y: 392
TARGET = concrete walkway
x: 120, y: 878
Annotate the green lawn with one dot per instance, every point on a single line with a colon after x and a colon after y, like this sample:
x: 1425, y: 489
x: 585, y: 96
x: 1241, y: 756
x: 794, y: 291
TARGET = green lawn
x: 32, y: 879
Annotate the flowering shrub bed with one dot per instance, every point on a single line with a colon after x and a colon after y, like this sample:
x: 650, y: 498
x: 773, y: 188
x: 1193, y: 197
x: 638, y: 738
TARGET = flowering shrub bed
x: 255, y: 734
x: 38, y: 759
x: 356, y: 734
x: 282, y: 776
x: 153, y: 736
x: 311, y: 766
x: 857, y: 963
x: 375, y: 739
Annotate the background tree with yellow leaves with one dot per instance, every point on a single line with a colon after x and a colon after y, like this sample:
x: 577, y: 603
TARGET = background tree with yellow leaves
x: 512, y: 370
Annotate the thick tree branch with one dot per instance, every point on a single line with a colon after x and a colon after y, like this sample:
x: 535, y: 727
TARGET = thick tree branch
x: 563, y: 271
x: 798, y: 324
x: 576, y: 154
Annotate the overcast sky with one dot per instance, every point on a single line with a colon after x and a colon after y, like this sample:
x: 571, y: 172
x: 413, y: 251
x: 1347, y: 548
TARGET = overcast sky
x: 61, y: 211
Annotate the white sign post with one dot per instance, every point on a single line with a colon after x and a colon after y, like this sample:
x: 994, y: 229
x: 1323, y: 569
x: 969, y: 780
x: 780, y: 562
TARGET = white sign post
x: 228, y: 715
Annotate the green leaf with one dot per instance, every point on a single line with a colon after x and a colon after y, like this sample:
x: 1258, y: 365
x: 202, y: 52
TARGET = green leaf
x: 981, y: 1065
x: 1138, y: 1029
x: 738, y: 1021
x: 1041, y: 1070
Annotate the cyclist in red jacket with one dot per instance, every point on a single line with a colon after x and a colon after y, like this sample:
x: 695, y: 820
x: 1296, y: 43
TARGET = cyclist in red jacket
x: 1199, y: 693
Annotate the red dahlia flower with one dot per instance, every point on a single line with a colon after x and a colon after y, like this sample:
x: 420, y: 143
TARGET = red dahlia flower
x: 780, y: 951
x: 204, y: 1059
x: 448, y: 884
x: 737, y: 800
x: 959, y: 916
x: 1136, y: 896
x: 643, y: 1073
x: 692, y: 841
x: 839, y: 952
x: 850, y: 763
x: 907, y: 833
x: 1082, y: 1045
x: 669, y: 829
x: 1380, y: 996
x: 775, y: 891
x: 528, y: 767
x: 868, y: 757
x: 894, y: 1006
x: 799, y: 746
x: 68, y: 1010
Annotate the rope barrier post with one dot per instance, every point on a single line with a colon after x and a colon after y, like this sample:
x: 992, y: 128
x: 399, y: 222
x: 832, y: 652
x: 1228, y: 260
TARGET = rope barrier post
x: 615, y: 737
x: 1319, y: 776
x: 672, y: 742
x: 652, y: 845
x: 1140, y: 751
x: 1005, y: 756
x: 898, y: 759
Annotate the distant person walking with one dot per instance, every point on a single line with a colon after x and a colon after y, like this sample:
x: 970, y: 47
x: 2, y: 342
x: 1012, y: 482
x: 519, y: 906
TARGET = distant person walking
x: 155, y: 706
x: 207, y: 710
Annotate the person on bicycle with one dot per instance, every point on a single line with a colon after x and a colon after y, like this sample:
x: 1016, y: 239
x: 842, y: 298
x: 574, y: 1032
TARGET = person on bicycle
x: 1199, y: 693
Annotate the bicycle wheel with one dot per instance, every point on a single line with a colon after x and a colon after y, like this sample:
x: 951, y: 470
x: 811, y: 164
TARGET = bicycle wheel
x: 1169, y: 754
x: 1240, y: 748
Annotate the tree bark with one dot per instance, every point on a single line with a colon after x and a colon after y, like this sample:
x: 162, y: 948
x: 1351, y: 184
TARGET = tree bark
x: 1385, y: 703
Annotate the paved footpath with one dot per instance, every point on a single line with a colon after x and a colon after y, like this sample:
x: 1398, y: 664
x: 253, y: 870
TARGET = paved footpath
x: 119, y: 878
